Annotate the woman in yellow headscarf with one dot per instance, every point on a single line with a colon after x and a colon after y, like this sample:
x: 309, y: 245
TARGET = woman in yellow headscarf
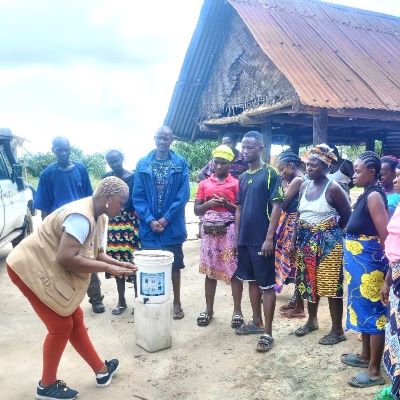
x: 216, y: 203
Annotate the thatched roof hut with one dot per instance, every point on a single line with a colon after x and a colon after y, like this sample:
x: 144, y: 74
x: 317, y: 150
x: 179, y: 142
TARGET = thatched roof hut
x: 299, y: 71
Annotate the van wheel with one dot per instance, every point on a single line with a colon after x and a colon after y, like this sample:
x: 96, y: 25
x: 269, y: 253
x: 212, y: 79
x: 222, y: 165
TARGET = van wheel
x: 27, y: 229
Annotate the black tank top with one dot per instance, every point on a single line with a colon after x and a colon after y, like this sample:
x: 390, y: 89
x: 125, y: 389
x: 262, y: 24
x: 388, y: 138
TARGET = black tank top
x: 360, y: 222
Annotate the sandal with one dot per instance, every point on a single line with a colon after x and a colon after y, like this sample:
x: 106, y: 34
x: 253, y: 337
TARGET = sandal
x: 353, y: 360
x: 119, y: 309
x: 248, y: 329
x: 178, y: 314
x: 237, y: 321
x: 305, y: 329
x: 363, y: 380
x: 332, y: 338
x: 265, y: 343
x: 204, y: 319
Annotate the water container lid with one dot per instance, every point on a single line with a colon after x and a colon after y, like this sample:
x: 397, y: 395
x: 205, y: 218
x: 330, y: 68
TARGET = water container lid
x: 155, y: 255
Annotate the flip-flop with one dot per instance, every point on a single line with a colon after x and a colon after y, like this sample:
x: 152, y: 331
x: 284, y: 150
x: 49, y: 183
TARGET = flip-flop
x: 305, y: 329
x: 249, y: 329
x: 331, y: 339
x: 363, y: 380
x: 237, y: 321
x: 353, y: 360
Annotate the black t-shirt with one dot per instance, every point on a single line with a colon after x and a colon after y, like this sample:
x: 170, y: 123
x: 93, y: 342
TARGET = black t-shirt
x: 360, y: 221
x: 256, y: 192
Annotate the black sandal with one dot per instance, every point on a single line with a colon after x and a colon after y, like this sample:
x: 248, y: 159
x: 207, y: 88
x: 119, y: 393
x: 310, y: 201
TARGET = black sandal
x: 265, y: 343
x: 306, y: 329
x: 119, y: 309
x: 204, y: 319
x: 237, y: 321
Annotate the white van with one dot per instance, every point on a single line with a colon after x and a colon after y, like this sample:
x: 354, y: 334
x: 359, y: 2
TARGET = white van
x: 16, y: 197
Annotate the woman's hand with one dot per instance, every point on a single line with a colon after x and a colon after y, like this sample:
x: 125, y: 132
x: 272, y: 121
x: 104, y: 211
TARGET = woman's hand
x: 126, y: 270
x: 128, y: 265
x: 213, y: 203
x: 385, y: 293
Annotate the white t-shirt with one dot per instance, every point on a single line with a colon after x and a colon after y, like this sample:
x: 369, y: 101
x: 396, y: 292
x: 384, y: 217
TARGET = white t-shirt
x: 77, y: 226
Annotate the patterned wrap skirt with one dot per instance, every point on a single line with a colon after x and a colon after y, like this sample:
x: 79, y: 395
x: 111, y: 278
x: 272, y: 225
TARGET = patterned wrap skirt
x: 123, y: 238
x: 365, y: 269
x: 391, y: 356
x: 217, y: 252
x: 285, y: 268
x: 319, y: 260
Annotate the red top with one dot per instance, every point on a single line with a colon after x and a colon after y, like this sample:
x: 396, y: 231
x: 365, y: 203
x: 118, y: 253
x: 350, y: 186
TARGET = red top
x: 211, y: 187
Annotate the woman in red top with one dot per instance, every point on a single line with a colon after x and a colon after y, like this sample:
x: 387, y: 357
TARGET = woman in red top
x: 216, y: 203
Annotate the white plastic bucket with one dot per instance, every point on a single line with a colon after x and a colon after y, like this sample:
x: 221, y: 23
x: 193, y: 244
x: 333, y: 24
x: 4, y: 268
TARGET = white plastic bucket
x: 153, y: 275
x: 153, y: 325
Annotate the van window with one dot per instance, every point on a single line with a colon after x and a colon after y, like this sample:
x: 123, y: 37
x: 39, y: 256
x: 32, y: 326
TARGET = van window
x: 5, y: 166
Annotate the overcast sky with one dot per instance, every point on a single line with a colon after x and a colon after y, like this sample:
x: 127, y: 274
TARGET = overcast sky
x: 100, y: 72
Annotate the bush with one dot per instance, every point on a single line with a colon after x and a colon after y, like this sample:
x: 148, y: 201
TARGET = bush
x: 197, y: 154
x: 34, y: 164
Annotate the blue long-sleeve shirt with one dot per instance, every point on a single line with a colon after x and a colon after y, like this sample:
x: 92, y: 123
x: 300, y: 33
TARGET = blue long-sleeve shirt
x: 176, y: 195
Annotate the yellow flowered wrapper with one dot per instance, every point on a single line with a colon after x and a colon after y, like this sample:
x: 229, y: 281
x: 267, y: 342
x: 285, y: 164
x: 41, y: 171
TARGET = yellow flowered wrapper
x: 354, y: 247
x: 381, y: 322
x: 371, y: 285
x: 353, y: 316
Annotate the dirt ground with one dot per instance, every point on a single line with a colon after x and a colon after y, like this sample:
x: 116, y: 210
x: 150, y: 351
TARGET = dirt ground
x: 203, y: 363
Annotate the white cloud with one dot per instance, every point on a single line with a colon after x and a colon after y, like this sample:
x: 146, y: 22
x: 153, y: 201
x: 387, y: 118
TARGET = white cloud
x: 100, y: 72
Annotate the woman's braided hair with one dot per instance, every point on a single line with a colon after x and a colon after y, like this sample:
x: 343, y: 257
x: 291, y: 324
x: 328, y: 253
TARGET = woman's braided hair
x: 392, y: 161
x: 289, y: 157
x: 371, y: 160
x: 110, y: 186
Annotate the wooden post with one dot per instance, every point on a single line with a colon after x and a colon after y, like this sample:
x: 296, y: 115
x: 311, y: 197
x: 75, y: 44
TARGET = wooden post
x: 370, y: 144
x: 320, y: 127
x: 294, y: 143
x: 266, y: 132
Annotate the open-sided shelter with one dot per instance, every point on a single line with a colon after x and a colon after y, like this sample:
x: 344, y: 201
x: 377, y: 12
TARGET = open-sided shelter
x: 299, y: 71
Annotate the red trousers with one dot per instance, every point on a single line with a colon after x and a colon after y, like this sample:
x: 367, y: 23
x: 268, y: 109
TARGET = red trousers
x: 61, y: 329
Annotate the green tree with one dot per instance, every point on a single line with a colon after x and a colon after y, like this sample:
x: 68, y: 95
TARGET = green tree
x: 197, y: 154
x: 35, y: 163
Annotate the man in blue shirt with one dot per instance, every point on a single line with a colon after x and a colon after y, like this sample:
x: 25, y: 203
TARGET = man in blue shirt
x: 60, y: 183
x: 160, y: 194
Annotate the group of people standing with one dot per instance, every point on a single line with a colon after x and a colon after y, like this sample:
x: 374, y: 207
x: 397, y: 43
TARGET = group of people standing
x: 60, y: 261
x: 301, y: 228
x: 259, y: 225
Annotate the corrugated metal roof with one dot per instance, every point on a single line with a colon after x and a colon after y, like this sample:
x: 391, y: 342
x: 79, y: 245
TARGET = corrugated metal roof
x: 334, y: 56
x: 207, y: 41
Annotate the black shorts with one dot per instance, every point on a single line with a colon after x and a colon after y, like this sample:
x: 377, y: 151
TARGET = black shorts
x: 176, y: 249
x: 253, y: 267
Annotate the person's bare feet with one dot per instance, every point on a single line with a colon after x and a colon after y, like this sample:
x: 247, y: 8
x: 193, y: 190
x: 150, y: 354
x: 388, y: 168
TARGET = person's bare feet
x: 293, y: 314
x: 287, y: 307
